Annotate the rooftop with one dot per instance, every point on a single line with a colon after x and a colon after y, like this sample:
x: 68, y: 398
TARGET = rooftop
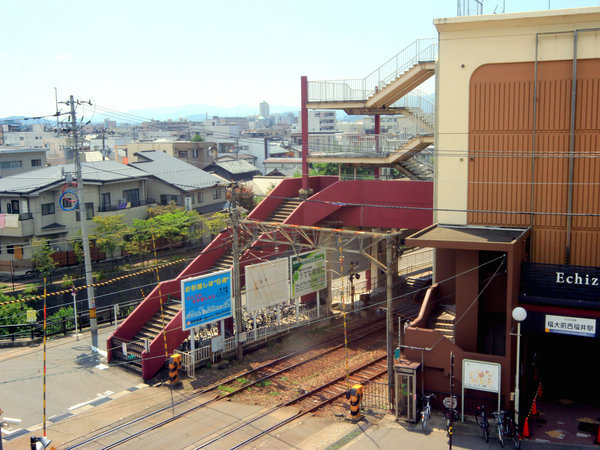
x: 98, y: 172
x: 174, y: 171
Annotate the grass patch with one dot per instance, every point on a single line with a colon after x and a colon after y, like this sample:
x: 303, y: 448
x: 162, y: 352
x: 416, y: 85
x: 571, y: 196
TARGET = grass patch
x: 227, y: 389
x: 264, y: 383
x: 242, y: 380
x: 284, y: 378
x: 273, y: 393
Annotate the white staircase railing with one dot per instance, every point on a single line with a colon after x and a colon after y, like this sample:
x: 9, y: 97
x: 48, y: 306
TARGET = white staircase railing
x: 361, y: 143
x: 361, y: 89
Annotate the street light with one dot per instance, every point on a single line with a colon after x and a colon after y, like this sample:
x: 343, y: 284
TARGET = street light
x: 519, y: 314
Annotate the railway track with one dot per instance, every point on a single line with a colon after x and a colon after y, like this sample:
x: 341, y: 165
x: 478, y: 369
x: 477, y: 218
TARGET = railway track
x: 309, y: 401
x: 167, y: 414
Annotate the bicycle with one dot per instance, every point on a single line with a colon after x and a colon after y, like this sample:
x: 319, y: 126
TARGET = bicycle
x: 426, y: 410
x: 507, y: 427
x: 482, y: 421
x: 450, y: 413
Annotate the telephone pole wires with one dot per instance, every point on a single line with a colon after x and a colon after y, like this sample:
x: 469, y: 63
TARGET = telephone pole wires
x: 85, y: 244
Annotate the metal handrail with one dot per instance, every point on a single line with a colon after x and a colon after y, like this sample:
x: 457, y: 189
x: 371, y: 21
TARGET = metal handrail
x: 361, y: 89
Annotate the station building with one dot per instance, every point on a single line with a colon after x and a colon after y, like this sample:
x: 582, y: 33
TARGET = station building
x: 517, y: 206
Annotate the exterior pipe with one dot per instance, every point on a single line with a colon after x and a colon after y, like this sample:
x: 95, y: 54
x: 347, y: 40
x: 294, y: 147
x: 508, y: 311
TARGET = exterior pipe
x: 571, y: 150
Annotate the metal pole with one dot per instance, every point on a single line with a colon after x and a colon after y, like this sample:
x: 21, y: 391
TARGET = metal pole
x: 304, y: 121
x: 89, y: 280
x: 237, y: 300
x: 74, y: 294
x: 44, y: 387
x: 517, y: 374
x: 389, y: 317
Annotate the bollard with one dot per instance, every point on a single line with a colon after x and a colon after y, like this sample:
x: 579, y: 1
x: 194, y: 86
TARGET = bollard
x: 174, y: 365
x: 355, y: 396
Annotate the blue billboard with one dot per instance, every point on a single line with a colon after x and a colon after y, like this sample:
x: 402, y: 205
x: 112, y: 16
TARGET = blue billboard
x: 206, y: 299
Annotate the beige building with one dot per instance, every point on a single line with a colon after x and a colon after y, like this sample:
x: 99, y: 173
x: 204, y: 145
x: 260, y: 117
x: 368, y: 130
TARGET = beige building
x: 198, y: 154
x: 517, y: 212
x: 15, y: 160
x: 31, y: 209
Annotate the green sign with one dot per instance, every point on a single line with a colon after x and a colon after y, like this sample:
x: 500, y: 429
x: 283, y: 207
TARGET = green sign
x: 307, y: 273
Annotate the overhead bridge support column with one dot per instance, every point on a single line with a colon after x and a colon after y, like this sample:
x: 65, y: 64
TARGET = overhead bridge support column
x: 377, y: 133
x: 304, y: 120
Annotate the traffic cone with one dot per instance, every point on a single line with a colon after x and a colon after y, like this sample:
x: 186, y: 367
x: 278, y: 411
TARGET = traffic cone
x: 597, y: 441
x: 534, y: 411
x: 525, y: 432
x: 540, y: 394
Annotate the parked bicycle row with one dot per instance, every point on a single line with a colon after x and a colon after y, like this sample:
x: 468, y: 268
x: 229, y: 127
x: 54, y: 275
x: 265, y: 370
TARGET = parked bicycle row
x: 506, y: 428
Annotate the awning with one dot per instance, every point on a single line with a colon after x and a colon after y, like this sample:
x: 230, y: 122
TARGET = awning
x: 467, y: 237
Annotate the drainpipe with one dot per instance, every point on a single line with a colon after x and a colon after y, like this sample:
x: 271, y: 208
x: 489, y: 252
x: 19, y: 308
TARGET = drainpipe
x: 571, y: 150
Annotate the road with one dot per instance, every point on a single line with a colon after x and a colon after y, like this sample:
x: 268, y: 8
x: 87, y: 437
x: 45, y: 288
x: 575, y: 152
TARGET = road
x: 75, y: 375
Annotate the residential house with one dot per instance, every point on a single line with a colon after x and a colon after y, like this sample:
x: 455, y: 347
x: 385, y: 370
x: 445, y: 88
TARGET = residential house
x: 233, y: 170
x: 14, y: 160
x: 198, y: 154
x: 31, y: 206
x: 171, y: 179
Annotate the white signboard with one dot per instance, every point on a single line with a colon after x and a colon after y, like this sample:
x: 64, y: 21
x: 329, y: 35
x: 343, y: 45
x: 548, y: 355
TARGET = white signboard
x: 307, y: 273
x: 577, y: 326
x: 481, y: 375
x: 267, y: 284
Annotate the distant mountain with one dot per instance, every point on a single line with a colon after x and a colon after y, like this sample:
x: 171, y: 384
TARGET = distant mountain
x: 201, y: 112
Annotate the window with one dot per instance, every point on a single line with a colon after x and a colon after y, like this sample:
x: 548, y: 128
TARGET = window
x: 217, y: 193
x: 195, y: 153
x: 12, y: 207
x: 36, y: 162
x: 89, y: 211
x: 47, y: 208
x: 105, y: 198
x: 182, y: 154
x: 11, y: 164
x: 200, y: 199
x: 132, y: 196
x: 10, y: 249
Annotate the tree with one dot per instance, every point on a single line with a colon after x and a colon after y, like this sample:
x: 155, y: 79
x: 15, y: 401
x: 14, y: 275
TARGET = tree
x: 12, y: 313
x: 174, y: 226
x: 42, y: 257
x: 215, y: 222
x: 110, y: 233
x: 197, y: 138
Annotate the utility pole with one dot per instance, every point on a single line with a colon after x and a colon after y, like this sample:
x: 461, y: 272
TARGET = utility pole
x: 237, y: 300
x: 85, y: 244
x: 389, y: 321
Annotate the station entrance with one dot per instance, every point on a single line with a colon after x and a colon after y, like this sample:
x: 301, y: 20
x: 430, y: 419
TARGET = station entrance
x: 563, y: 367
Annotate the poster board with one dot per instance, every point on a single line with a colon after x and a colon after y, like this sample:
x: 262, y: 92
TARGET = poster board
x: 206, y: 299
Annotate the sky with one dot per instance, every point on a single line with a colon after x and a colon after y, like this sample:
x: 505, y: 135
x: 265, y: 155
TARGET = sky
x: 128, y: 55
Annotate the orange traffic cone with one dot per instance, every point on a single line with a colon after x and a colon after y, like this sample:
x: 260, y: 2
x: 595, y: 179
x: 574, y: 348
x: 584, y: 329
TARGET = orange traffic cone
x: 534, y: 411
x: 597, y: 441
x: 539, y: 394
x: 525, y: 432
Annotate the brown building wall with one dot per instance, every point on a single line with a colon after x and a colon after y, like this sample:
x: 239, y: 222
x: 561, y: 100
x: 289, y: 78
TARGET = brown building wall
x: 504, y: 170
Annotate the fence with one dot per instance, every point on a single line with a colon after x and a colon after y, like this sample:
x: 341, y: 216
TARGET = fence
x: 376, y: 395
x: 360, y: 89
x: 205, y: 355
x: 65, y: 324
